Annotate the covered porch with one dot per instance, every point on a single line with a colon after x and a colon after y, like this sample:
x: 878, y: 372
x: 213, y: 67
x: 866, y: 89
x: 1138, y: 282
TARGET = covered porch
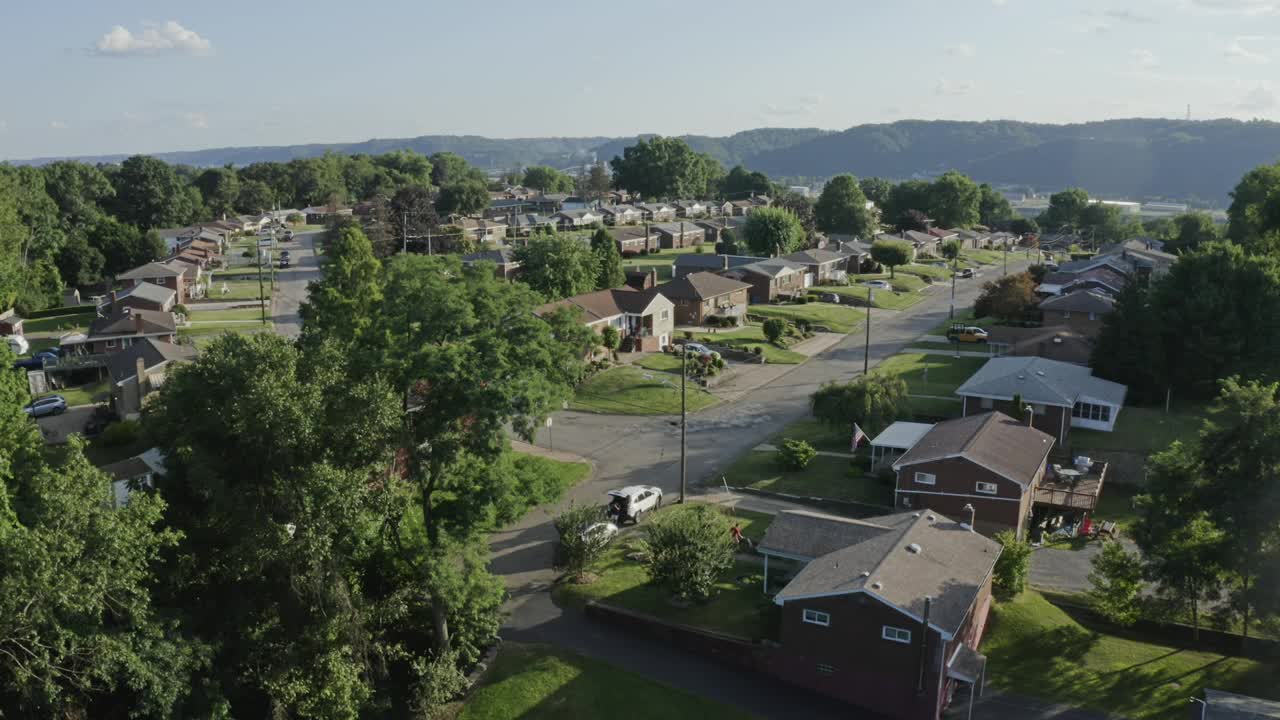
x: 896, y: 440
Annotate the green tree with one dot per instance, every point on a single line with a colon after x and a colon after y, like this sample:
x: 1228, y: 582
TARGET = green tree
x: 876, y: 190
x: 1191, y: 231
x: 123, y: 246
x: 1253, y: 218
x: 1116, y: 578
x: 341, y: 303
x: 149, y: 194
x: 993, y: 208
x: 610, y: 338
x: 891, y: 254
x: 873, y: 401
x: 558, y: 266
x: 1064, y: 210
x: 728, y: 243
x: 687, y: 549
x: 795, y: 454
x: 800, y: 206
x: 909, y: 195
x: 772, y: 231
x: 608, y: 260
x: 664, y: 167
x: 1009, y: 297
x: 741, y: 183
x: 951, y: 249
x: 547, y: 179
x: 954, y: 201
x: 79, y: 190
x: 79, y: 263
x: 774, y: 329
x: 255, y: 196
x: 596, y: 183
x: 448, y: 168
x: 219, y: 189
x: 1024, y: 226
x: 912, y: 220
x: 13, y: 238
x: 411, y: 211
x: 465, y: 197
x: 579, y: 548
x: 1009, y: 578
x: 842, y: 208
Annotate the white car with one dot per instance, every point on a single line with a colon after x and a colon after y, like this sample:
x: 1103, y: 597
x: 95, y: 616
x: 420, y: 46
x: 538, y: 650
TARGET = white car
x: 601, y: 532
x: 878, y: 284
x: 633, y: 501
x: 697, y: 349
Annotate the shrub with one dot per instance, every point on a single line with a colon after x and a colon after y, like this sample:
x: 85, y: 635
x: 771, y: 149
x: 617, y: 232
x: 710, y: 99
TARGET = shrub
x: 1010, y: 577
x: 579, y: 550
x: 122, y: 432
x: 180, y: 309
x: 796, y: 454
x: 699, y: 249
x: 757, y: 349
x: 802, y: 324
x: 802, y: 300
x: 687, y: 549
x: 886, y: 476
x: 774, y: 329
x: 1117, y: 584
x: 295, y: 218
x: 246, y: 254
x: 436, y: 682
x: 688, y: 334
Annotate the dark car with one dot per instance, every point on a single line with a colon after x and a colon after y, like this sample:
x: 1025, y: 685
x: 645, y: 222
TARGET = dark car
x: 35, y: 362
x: 830, y: 298
x: 52, y: 405
x: 284, y: 263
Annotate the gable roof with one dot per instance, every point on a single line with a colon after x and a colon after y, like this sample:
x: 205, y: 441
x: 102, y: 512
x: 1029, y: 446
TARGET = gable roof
x: 917, y: 555
x: 815, y: 256
x: 916, y: 236
x: 806, y: 534
x: 992, y: 440
x: 715, y: 262
x: 133, y: 322
x: 147, y: 291
x: 124, y: 364
x: 153, y: 269
x: 1082, y: 301
x: 501, y: 256
x: 1039, y: 380
x: 773, y: 267
x: 701, y: 285
x: 631, y: 233
x: 604, y: 304
x: 676, y: 228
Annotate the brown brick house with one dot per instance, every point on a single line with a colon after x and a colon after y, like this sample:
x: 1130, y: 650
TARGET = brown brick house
x: 121, y: 329
x: 633, y: 240
x: 1055, y: 342
x: 824, y: 266
x: 989, y: 461
x: 140, y: 370
x: 506, y: 266
x: 1080, y: 310
x: 891, y: 621
x: 175, y: 275
x: 689, y: 263
x: 703, y: 295
x: 645, y: 317
x: 678, y: 234
x: 143, y: 296
x: 770, y: 279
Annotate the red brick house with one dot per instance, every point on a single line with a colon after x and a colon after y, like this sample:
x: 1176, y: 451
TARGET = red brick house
x: 143, y: 296
x: 990, y: 462
x: 771, y: 279
x: 633, y: 240
x: 891, y: 621
x: 121, y: 329
x: 1080, y: 310
x: 678, y: 234
x: 506, y: 266
x: 703, y: 295
x: 175, y: 275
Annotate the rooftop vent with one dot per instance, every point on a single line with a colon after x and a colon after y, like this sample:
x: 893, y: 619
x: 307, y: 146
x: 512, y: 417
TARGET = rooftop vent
x: 864, y: 573
x: 933, y: 518
x: 1040, y: 373
x: 913, y: 548
x: 877, y: 585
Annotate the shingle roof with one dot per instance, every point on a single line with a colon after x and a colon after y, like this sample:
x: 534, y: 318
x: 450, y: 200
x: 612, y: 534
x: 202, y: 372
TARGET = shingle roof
x: 124, y: 323
x: 816, y: 256
x: 1222, y: 705
x: 152, y: 269
x: 773, y: 267
x: 124, y: 364
x: 808, y: 534
x: 501, y: 256
x: 147, y: 291
x: 919, y: 237
x: 631, y: 233
x: 950, y: 567
x: 675, y: 228
x: 717, y: 262
x: 1082, y: 301
x: 993, y: 440
x: 604, y: 304
x: 701, y: 285
x: 1039, y: 380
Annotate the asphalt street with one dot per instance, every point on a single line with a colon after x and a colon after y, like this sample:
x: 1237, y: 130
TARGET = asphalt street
x: 291, y: 283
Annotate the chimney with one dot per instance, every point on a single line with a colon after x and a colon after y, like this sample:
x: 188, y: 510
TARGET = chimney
x: 113, y: 299
x: 652, y: 279
x: 1029, y: 416
x: 140, y: 367
x: 137, y: 322
x: 924, y: 645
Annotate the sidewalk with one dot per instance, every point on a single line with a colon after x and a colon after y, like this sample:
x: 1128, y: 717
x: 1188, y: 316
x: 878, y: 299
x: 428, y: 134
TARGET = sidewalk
x: 949, y: 353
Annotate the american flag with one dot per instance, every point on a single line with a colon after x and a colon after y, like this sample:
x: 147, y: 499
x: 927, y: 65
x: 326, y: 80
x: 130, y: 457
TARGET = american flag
x: 858, y: 437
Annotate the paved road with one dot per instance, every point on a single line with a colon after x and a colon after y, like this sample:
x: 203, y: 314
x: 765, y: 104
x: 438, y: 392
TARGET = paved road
x: 291, y: 283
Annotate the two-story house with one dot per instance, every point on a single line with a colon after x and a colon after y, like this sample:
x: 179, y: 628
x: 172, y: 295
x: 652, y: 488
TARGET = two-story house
x: 180, y: 277
x: 703, y: 295
x: 770, y: 279
x: 644, y: 318
x: 121, y: 329
x: 991, y: 463
x: 1081, y: 310
x: 1062, y: 395
x: 892, y: 620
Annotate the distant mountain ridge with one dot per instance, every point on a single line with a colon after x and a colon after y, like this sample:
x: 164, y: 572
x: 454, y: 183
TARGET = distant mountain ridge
x: 1135, y: 158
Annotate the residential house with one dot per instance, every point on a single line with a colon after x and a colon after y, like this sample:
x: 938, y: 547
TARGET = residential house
x: 989, y: 462
x: 943, y: 234
x: 674, y: 235
x: 621, y: 215
x: 121, y: 329
x: 698, y: 262
x: 891, y: 621
x: 1080, y: 310
x: 824, y: 266
x: 10, y: 323
x: 719, y: 208
x: 890, y: 237
x: 742, y: 207
x: 526, y: 224
x: 483, y: 231
x: 761, y: 200
x: 634, y: 240
x: 576, y: 219
x: 133, y: 473
x: 1052, y: 342
x: 506, y: 266
x: 1101, y: 276
x: 143, y: 296
x: 616, y: 197
x: 702, y: 295
x: 924, y: 243
x: 656, y: 212
x: 180, y: 277
x: 501, y: 208
x: 644, y: 318
x: 641, y: 279
x: 690, y: 208
x: 973, y: 238
x: 1144, y: 254
x: 139, y: 370
x: 548, y: 203
x: 1062, y: 395
x: 321, y: 214
x: 712, y: 230
x: 770, y: 279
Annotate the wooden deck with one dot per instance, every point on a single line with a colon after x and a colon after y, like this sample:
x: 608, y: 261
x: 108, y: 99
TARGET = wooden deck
x: 1081, y: 494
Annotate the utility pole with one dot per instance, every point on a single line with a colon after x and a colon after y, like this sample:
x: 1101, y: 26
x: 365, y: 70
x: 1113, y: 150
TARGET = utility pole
x: 262, y: 302
x: 404, y: 232
x: 684, y: 418
x: 1006, y: 257
x: 954, y: 262
x: 866, y: 353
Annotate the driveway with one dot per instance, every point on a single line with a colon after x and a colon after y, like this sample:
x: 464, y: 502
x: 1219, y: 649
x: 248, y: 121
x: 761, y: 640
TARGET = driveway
x: 291, y: 283
x: 56, y: 428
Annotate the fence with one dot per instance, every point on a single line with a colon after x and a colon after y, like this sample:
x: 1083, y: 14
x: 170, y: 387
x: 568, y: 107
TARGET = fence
x: 729, y: 649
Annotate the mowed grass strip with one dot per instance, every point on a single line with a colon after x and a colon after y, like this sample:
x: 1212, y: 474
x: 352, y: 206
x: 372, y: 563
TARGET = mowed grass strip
x: 626, y: 391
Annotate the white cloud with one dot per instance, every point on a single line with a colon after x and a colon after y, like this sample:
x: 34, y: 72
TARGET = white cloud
x: 1258, y: 99
x: 58, y: 125
x: 947, y: 87
x: 195, y: 120
x: 1238, y: 52
x: 1239, y: 7
x: 1144, y: 59
x: 170, y: 37
x: 960, y: 50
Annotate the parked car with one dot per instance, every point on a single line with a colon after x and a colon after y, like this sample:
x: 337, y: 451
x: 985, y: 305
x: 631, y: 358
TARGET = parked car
x: 630, y: 502
x: 284, y: 263
x: 288, y: 234
x: 965, y: 273
x: 52, y: 405
x: 35, y: 362
x: 17, y: 344
x: 697, y: 349
x: 829, y: 298
x: 284, y: 253
x: 98, y: 421
x: 878, y: 284
x: 966, y: 334
x: 1051, y: 266
x: 602, y: 532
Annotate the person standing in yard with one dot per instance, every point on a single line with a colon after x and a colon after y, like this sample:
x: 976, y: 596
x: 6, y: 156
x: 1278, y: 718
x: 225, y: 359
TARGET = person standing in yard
x: 738, y: 537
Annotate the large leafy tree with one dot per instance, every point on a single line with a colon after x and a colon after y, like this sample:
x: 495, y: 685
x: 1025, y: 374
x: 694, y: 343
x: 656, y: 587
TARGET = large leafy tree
x: 954, y: 201
x: 79, y: 631
x: 547, y: 179
x: 872, y: 401
x: 876, y: 190
x: 772, y: 231
x: 891, y: 254
x: 608, y: 260
x: 340, y: 305
x: 220, y: 189
x: 842, y: 208
x: 464, y: 197
x: 801, y: 207
x: 79, y: 190
x: 79, y: 263
x: 411, y: 211
x: 1064, y: 210
x: 1009, y: 297
x: 741, y: 183
x: 1192, y: 230
x: 906, y: 196
x: 558, y: 266
x: 150, y: 194
x: 1253, y: 219
x: 993, y: 208
x: 664, y: 167
x: 448, y: 168
x: 13, y: 238
x: 596, y: 182
x: 123, y: 246
x: 255, y: 196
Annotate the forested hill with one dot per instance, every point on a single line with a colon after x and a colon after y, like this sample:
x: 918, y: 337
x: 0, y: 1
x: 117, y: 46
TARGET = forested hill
x: 1136, y: 158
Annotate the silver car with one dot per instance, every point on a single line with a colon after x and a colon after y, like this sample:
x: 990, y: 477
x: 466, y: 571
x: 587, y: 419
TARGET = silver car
x: 52, y: 405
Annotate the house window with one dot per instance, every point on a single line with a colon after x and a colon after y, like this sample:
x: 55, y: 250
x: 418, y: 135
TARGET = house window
x: 987, y: 488
x: 896, y: 634
x: 111, y: 343
x: 1088, y: 411
x: 1093, y: 316
x: 926, y: 478
x: 988, y: 403
x: 1037, y: 408
x: 1066, y: 314
x: 813, y: 617
x: 825, y: 669
x: 666, y: 314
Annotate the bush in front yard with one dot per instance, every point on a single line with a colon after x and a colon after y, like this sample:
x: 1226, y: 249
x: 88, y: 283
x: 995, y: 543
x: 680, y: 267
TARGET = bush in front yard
x: 774, y: 329
x: 687, y: 549
x: 579, y: 549
x: 796, y: 454
x: 1010, y: 577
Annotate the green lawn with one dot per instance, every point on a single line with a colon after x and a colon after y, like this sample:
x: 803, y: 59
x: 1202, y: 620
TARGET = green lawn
x: 1116, y: 504
x: 660, y: 361
x: 625, y: 391
x: 79, y: 321
x: 816, y: 433
x: 937, y: 271
x: 904, y: 282
x: 239, y: 289
x: 885, y: 299
x: 962, y: 316
x: 662, y: 261
x: 737, y: 607
x: 224, y: 315
x: 750, y: 336
x: 929, y: 407
x: 983, y: 257
x: 944, y: 373
x: 827, y: 477
x: 539, y: 682
x: 84, y: 394
x: 838, y: 318
x: 1142, y: 430
x: 1034, y: 648
x: 38, y: 344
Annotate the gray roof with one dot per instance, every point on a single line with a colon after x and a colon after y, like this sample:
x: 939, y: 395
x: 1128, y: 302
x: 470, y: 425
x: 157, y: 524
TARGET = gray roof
x: 716, y: 262
x: 1039, y: 380
x: 147, y: 291
x: 917, y: 555
x: 133, y: 322
x: 153, y: 269
x: 992, y: 440
x: 1082, y: 301
x: 815, y: 256
x: 773, y: 267
x: 808, y: 534
x: 530, y: 220
x: 1115, y: 261
x: 632, y: 232
x: 919, y: 237
x: 124, y: 364
x: 675, y: 228
x: 1230, y: 706
x: 700, y: 285
x: 501, y: 256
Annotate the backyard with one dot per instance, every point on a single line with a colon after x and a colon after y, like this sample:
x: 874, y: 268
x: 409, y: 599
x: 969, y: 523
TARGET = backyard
x: 837, y: 318
x: 62, y: 323
x: 826, y: 477
x: 627, y: 391
x: 817, y: 433
x: 1035, y: 648
x: 661, y: 261
x: 937, y: 375
x: 1143, y: 430
x: 86, y: 394
x: 539, y: 682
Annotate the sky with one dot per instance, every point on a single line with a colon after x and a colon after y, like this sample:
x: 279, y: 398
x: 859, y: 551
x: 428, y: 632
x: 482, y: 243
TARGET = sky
x: 92, y: 77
